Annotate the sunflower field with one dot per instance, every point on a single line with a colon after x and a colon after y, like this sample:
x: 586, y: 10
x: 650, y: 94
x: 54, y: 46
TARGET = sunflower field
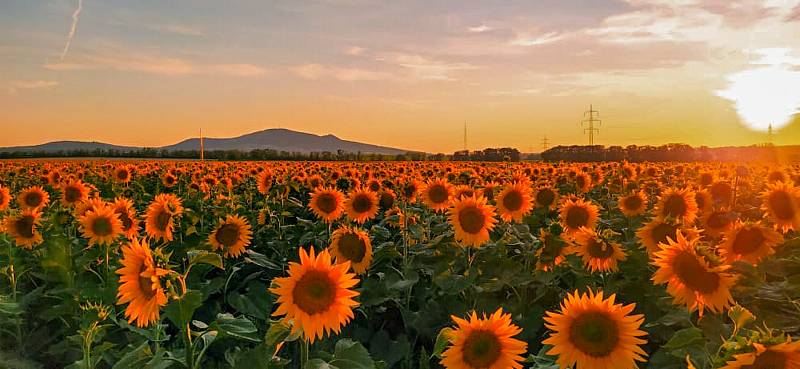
x: 412, y: 265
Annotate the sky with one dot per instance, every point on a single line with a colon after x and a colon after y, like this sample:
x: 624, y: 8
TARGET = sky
x: 405, y: 74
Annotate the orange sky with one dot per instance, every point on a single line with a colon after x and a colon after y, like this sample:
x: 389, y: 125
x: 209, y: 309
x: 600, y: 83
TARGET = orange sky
x: 404, y: 75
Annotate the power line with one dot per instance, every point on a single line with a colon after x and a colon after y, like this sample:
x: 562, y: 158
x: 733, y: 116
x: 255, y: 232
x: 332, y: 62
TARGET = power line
x: 591, y: 117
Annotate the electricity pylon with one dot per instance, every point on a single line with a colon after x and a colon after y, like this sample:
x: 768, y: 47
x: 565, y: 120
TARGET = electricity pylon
x: 591, y: 117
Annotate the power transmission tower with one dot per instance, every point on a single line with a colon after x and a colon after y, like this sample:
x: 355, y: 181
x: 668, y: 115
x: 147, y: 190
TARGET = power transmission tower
x: 545, y: 144
x: 591, y: 117
x: 769, y: 135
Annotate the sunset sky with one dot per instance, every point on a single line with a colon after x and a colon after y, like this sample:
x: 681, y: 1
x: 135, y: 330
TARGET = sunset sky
x: 406, y: 74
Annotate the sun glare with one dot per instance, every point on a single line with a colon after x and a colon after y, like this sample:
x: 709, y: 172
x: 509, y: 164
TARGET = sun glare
x: 766, y: 94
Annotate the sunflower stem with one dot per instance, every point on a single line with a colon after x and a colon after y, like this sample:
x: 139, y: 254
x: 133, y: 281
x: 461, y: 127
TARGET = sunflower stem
x: 304, y: 353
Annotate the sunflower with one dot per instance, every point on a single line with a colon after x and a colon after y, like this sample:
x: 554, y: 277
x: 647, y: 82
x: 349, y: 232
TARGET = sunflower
x: 101, y: 225
x: 22, y: 228
x: 122, y: 174
x: 169, y: 180
x: 553, y: 251
x: 33, y: 198
x: 316, y: 296
x: 387, y: 199
x: 462, y: 191
x: 546, y: 197
x: 485, y: 343
x: 784, y: 355
x: 74, y: 192
x: 678, y: 204
x: 127, y: 214
x: 598, y: 254
x: 592, y: 332
x: 410, y: 190
x: 436, y: 194
x: 160, y: 217
x: 704, y: 201
x: 361, y: 205
x: 514, y: 202
x: 577, y: 213
x: 690, y: 279
x: 5, y: 198
x: 353, y: 245
x: 634, y: 204
x: 717, y: 222
x: 749, y: 242
x: 327, y: 203
x: 140, y: 284
x: 473, y: 219
x: 658, y: 232
x: 781, y: 205
x: 231, y: 236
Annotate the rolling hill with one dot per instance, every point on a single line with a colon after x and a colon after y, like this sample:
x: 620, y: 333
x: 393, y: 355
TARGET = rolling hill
x: 276, y: 139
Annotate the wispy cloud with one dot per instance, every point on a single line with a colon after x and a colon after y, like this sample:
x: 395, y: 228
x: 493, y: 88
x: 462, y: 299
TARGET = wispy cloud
x: 156, y: 64
x: 544, y: 39
x: 313, y: 71
x: 15, y: 86
x: 355, y: 50
x: 426, y: 68
x: 479, y: 29
x: 73, y: 29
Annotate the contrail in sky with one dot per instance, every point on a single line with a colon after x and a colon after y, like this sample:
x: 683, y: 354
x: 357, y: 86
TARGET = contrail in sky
x: 72, y: 30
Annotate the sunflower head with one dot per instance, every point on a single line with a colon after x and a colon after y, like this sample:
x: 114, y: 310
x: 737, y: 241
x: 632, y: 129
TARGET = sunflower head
x: 23, y: 228
x: 577, y: 213
x: 677, y: 204
x: 784, y: 355
x: 598, y: 253
x: 327, y: 203
x: 101, y: 225
x: 634, y: 204
x: 231, y: 236
x: 74, y: 192
x: 361, y: 205
x: 515, y: 202
x: 316, y: 297
x: 437, y: 194
x: 140, y: 284
x: 473, y: 219
x: 749, y: 242
x: 781, y: 205
x: 594, y: 332
x: 33, y: 198
x: 352, y: 245
x: 690, y: 278
x: 484, y: 343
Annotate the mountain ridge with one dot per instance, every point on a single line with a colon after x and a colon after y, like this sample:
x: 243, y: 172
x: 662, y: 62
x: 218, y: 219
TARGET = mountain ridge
x: 279, y: 139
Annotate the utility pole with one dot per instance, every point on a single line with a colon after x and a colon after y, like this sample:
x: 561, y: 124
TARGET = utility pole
x: 202, y: 147
x: 545, y: 144
x: 769, y: 135
x: 465, y: 135
x: 591, y: 117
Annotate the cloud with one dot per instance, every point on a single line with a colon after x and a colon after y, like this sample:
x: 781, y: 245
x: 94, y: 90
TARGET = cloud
x: 313, y: 71
x: 15, y: 86
x: 73, y: 29
x: 155, y: 64
x: 659, y: 24
x: 547, y: 38
x: 479, y: 29
x: 354, y: 50
x: 426, y: 68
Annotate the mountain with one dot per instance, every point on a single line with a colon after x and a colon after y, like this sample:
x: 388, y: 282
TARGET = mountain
x: 276, y: 139
x: 283, y: 140
x: 56, y: 146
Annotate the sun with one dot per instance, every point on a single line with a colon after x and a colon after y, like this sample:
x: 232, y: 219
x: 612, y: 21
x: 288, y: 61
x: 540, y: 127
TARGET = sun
x: 753, y: 91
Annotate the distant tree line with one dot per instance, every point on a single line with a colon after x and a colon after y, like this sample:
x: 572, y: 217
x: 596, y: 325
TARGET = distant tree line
x: 670, y: 152
x: 490, y: 154
x: 257, y: 154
